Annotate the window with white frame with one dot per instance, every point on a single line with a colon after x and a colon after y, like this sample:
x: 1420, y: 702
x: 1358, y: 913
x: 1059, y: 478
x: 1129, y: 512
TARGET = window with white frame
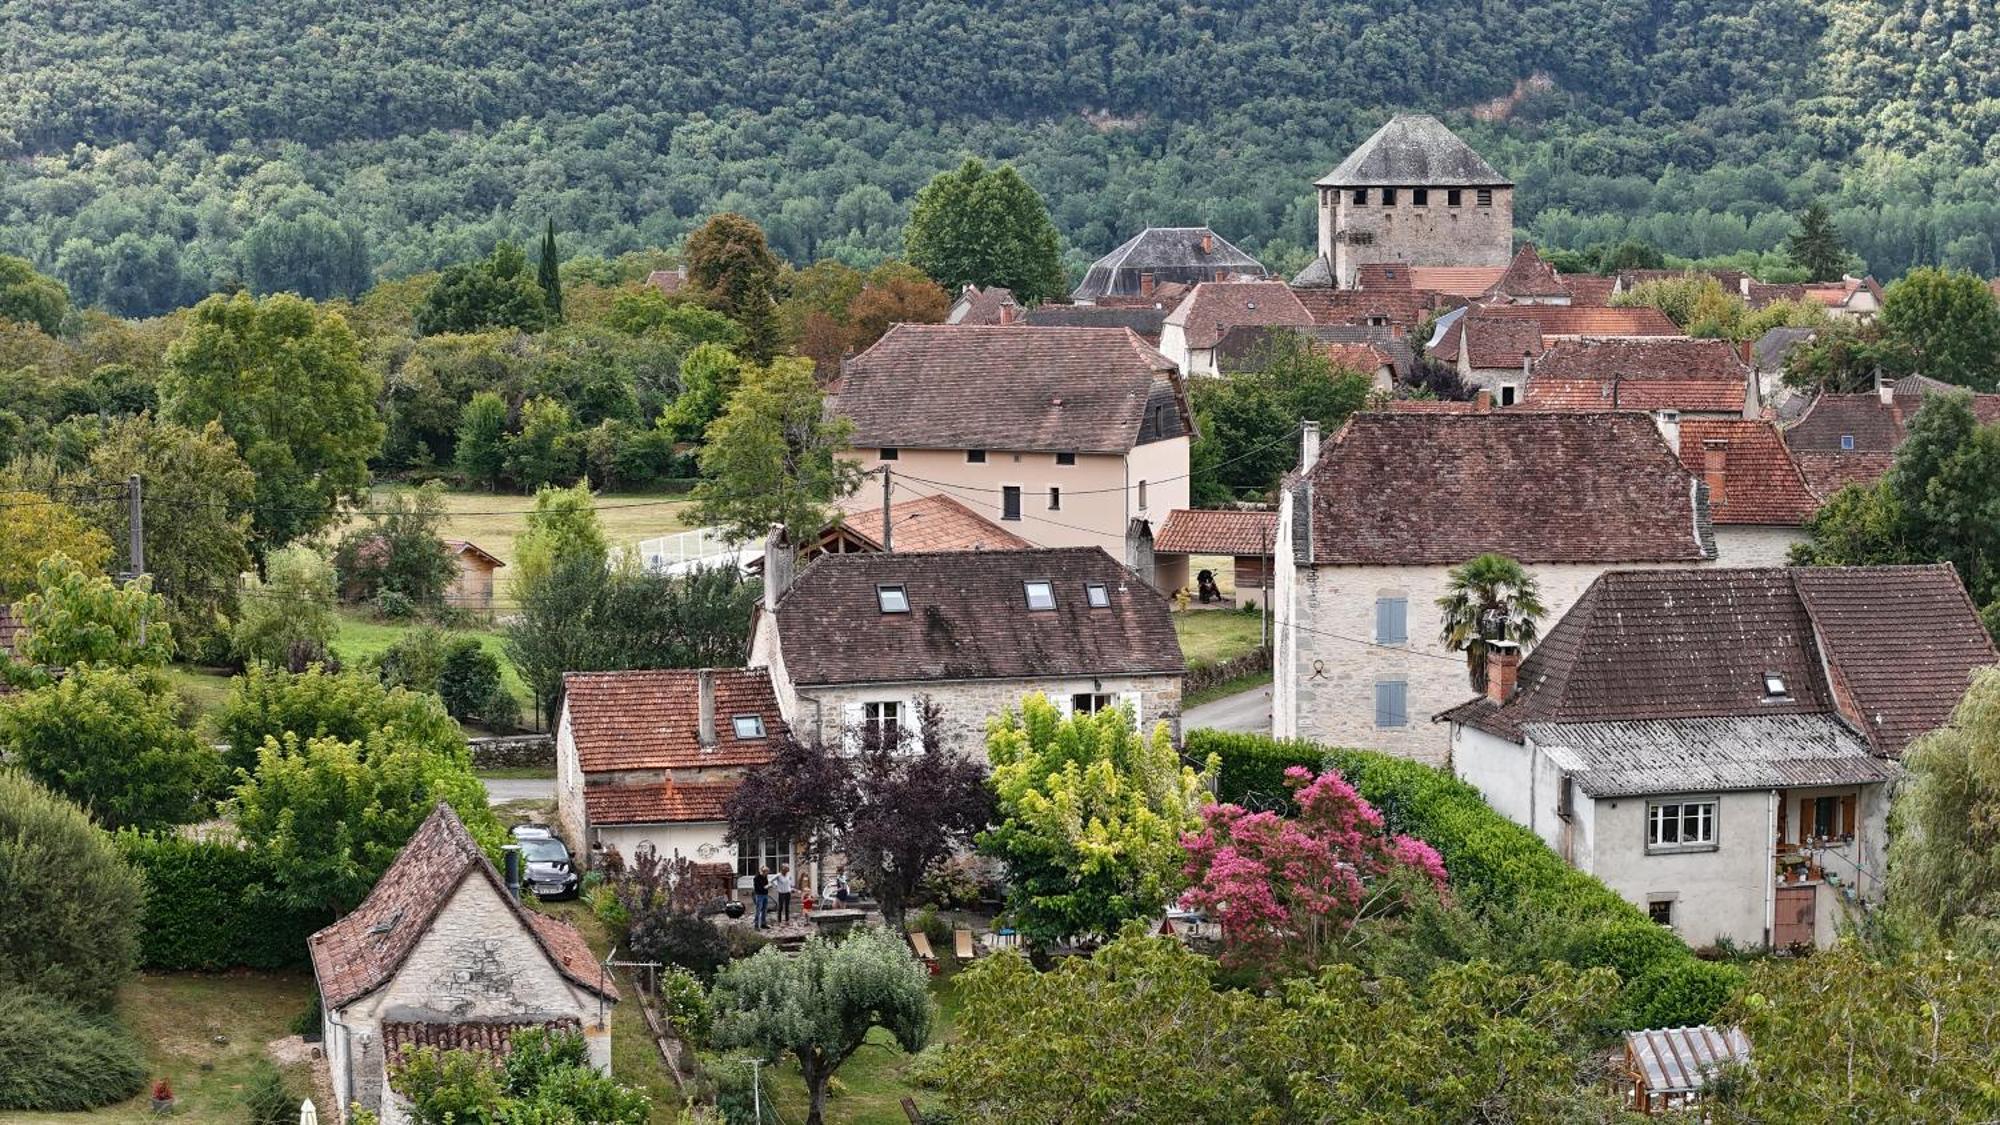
x: 1098, y: 594
x: 1680, y: 825
x: 752, y: 854
x: 748, y: 727
x: 1091, y: 702
x: 1510, y: 393
x: 883, y: 720
x: 1041, y: 593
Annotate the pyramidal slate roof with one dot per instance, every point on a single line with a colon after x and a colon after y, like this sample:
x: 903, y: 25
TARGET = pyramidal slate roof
x: 1414, y: 150
x: 1171, y: 254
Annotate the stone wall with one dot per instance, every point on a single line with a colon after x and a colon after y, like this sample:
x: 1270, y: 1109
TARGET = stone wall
x: 968, y: 704
x: 1434, y: 234
x: 523, y: 751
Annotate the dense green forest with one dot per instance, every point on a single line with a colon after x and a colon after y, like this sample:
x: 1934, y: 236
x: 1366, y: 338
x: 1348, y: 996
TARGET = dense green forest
x: 155, y: 153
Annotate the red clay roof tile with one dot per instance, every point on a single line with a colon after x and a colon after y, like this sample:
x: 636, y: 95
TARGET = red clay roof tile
x: 648, y: 720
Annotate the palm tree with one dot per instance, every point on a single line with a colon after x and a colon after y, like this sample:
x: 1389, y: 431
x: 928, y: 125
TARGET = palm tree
x: 1491, y: 598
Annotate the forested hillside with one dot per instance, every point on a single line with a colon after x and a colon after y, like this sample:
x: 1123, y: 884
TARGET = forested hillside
x: 156, y: 152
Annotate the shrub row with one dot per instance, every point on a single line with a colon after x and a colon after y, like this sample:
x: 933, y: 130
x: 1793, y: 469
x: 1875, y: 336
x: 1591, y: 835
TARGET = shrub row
x: 56, y: 1058
x: 1494, y: 865
x: 209, y: 906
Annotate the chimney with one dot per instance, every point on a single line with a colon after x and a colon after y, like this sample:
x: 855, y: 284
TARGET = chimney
x: 1527, y: 361
x: 1208, y: 242
x: 1884, y: 389
x: 1714, y: 465
x: 511, y: 857
x: 1503, y: 670
x: 1145, y: 285
x: 1007, y: 313
x: 1482, y: 401
x: 1308, y: 445
x: 705, y: 690
x: 780, y: 567
x: 1744, y: 352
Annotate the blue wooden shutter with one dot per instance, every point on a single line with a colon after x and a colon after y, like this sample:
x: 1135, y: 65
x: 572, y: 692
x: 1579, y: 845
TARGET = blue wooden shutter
x: 1391, y: 704
x: 1392, y: 620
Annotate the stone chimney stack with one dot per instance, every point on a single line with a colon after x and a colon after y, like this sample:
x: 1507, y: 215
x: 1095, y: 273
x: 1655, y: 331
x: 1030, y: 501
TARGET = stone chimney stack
x: 705, y: 690
x: 1308, y: 445
x: 1503, y: 670
x: 780, y: 567
x: 1482, y: 401
x: 1208, y: 242
x: 1145, y: 285
x: 1714, y: 468
x: 1007, y: 313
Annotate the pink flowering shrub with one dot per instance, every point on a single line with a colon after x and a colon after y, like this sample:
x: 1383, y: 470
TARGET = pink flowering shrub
x: 1288, y: 891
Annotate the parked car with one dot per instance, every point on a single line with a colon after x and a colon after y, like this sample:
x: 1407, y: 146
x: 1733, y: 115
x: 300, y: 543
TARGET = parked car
x: 548, y: 871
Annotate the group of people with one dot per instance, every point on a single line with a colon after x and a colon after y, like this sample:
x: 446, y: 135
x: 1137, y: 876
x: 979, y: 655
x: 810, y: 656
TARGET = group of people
x: 764, y: 886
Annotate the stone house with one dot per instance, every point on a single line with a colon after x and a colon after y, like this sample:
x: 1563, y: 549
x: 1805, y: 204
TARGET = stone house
x: 1191, y: 333
x: 858, y: 641
x: 1719, y: 746
x: 1758, y: 496
x: 1161, y: 255
x: 1495, y: 346
x: 994, y: 304
x: 442, y: 954
x: 1414, y: 193
x: 1844, y: 439
x: 1067, y: 437
x: 1370, y: 528
x: 650, y: 758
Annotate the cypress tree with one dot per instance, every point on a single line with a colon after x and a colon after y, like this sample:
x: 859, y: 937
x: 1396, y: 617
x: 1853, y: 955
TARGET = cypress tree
x: 1816, y: 247
x: 548, y: 275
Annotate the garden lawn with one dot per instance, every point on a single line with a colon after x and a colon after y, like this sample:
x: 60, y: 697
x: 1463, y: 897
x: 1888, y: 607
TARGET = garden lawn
x: 496, y: 520
x: 362, y: 635
x: 869, y: 1088
x: 178, y: 1017
x: 1212, y: 635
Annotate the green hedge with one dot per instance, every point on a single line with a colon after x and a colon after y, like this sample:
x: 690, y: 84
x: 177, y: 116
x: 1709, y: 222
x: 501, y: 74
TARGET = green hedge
x: 57, y: 1058
x: 208, y: 907
x: 1494, y: 864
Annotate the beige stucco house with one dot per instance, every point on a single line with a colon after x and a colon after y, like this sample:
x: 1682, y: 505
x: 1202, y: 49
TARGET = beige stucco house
x: 1719, y: 746
x: 1066, y: 437
x: 1369, y: 531
x: 858, y: 641
x: 440, y: 954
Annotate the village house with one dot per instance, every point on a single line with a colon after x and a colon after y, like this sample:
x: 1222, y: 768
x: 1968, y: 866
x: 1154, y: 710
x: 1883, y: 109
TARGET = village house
x: 1670, y: 377
x: 1529, y: 281
x: 1146, y: 321
x: 994, y: 304
x: 1414, y: 193
x: 1495, y: 346
x: 1844, y: 439
x: 1397, y: 311
x: 1195, y: 328
x: 1369, y: 530
x: 1758, y: 497
x: 443, y: 954
x: 921, y: 523
x: 650, y: 758
x: 1379, y: 353
x: 1718, y: 746
x: 668, y: 281
x: 858, y: 641
x: 1064, y: 436
x: 1157, y: 255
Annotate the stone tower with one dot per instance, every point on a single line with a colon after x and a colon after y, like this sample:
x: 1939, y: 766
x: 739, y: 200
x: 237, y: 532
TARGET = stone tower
x: 1414, y: 193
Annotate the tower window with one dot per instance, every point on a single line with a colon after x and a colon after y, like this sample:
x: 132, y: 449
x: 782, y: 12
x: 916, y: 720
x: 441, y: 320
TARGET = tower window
x: 1388, y: 197
x: 1361, y: 195
x: 1452, y: 197
x: 1486, y: 197
x: 1420, y: 197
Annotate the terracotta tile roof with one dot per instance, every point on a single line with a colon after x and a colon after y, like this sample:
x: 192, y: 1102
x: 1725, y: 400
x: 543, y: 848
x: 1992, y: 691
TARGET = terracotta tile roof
x: 1669, y: 357
x: 1571, y: 320
x: 668, y: 281
x: 1528, y: 276
x: 1459, y: 281
x: 362, y: 951
x: 1876, y: 426
x: 1761, y: 483
x: 1084, y: 390
x: 927, y: 523
x: 1702, y: 396
x: 1216, y: 306
x: 1903, y: 642
x: 1364, y: 358
x: 1438, y: 489
x: 976, y: 306
x: 1588, y: 290
x: 646, y: 720
x: 1828, y: 473
x: 1760, y: 294
x: 1900, y: 641
x: 1430, y: 406
x: 969, y: 619
x: 659, y: 802
x: 1491, y: 342
x: 1382, y: 275
x: 493, y: 1039
x: 1217, y: 531
x: 1401, y: 309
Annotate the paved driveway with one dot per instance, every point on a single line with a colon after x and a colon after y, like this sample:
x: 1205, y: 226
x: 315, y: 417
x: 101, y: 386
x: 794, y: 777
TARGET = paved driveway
x: 1247, y: 712
x: 500, y: 790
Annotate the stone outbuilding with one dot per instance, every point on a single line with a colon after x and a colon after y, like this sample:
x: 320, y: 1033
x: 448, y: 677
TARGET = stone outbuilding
x: 441, y: 954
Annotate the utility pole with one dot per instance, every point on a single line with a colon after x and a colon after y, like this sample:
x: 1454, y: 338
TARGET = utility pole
x: 1264, y: 602
x: 136, y: 502
x: 888, y: 541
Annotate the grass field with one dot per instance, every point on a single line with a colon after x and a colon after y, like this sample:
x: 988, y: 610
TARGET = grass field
x: 495, y: 521
x: 203, y: 1034
x: 1215, y: 634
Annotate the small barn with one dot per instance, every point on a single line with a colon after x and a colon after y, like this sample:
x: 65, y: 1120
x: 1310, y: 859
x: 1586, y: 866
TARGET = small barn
x: 473, y: 587
x: 1245, y: 536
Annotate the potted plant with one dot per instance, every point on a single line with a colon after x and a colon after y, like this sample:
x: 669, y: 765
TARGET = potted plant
x: 163, y: 1096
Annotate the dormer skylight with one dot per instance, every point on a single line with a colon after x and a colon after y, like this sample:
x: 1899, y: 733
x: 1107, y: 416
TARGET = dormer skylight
x: 1775, y: 686
x: 1098, y: 594
x: 1041, y: 593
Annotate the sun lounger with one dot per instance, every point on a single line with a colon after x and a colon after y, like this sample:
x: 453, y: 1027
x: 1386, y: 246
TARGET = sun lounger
x: 962, y: 944
x: 921, y: 943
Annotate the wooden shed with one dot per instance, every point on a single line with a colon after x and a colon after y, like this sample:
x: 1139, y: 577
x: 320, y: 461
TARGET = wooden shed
x: 473, y: 588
